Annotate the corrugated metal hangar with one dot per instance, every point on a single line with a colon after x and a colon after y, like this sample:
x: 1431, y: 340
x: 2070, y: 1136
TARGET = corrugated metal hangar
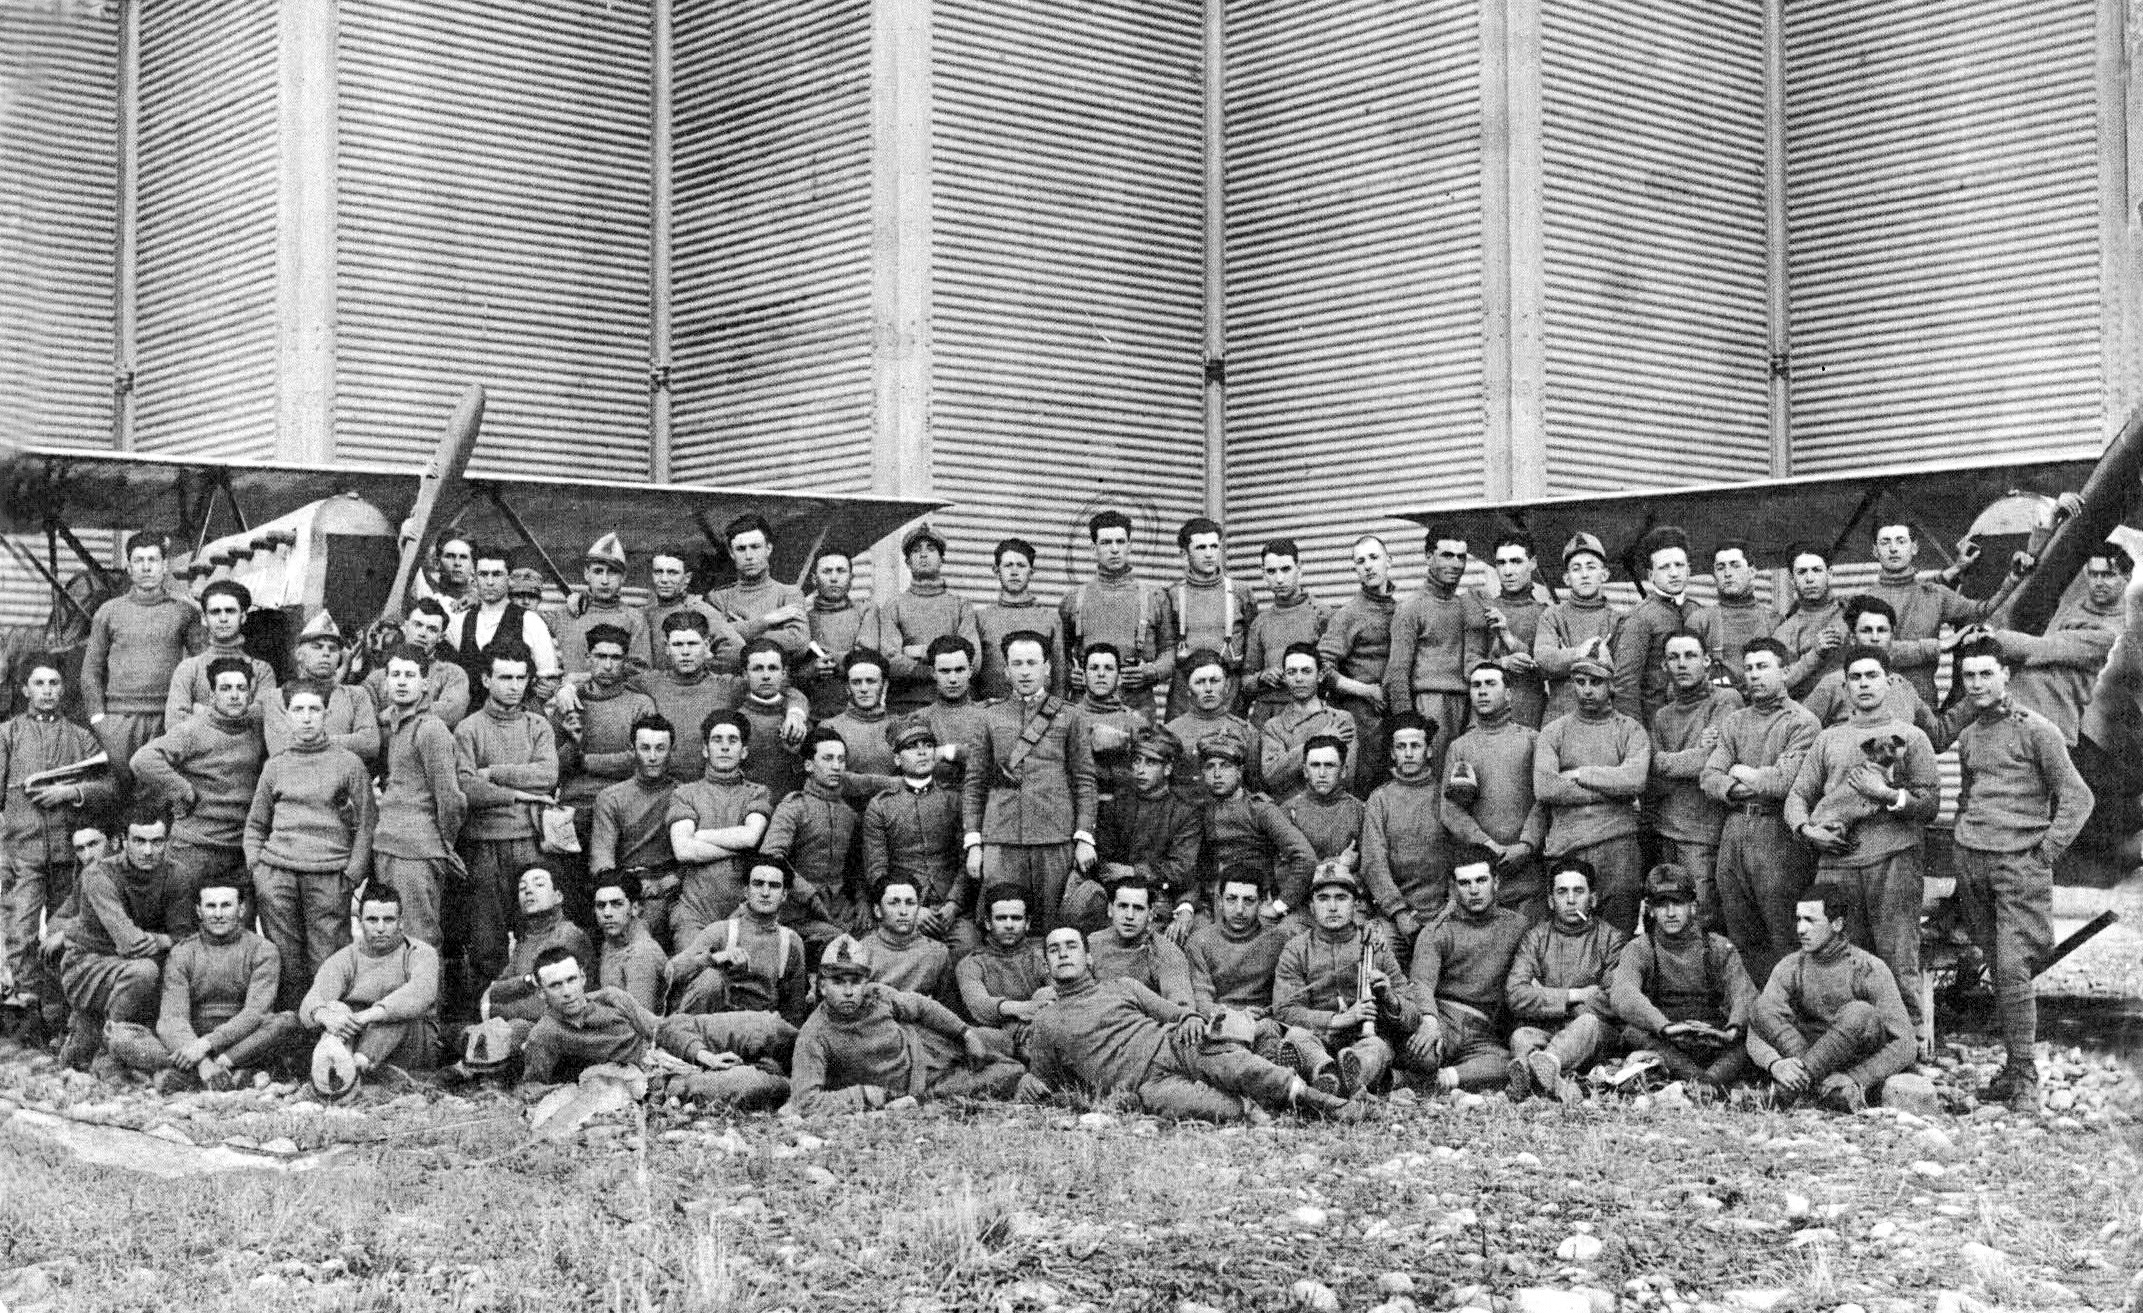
x: 1301, y: 263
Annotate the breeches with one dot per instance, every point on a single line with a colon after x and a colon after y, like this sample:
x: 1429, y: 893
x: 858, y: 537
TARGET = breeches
x: 1882, y: 915
x: 2007, y: 901
x: 1761, y: 872
x: 306, y: 915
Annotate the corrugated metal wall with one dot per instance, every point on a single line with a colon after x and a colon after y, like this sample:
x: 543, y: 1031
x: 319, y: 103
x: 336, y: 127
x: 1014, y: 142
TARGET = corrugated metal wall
x: 1354, y: 271
x: 772, y: 355
x: 494, y: 227
x: 208, y: 176
x: 1068, y: 293
x: 1655, y: 300
x: 1943, y: 208
x: 58, y: 195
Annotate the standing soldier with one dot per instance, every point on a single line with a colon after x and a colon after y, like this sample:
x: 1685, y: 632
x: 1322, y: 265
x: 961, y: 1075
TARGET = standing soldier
x: 1213, y: 612
x: 602, y: 604
x: 1436, y: 635
x: 1640, y: 678
x: 2023, y: 804
x: 1489, y: 808
x: 498, y: 621
x: 669, y: 574
x: 863, y: 718
x: 1294, y: 617
x: 1684, y: 731
x: 1514, y: 625
x: 352, y: 722
x: 838, y: 624
x: 446, y: 684
x: 1406, y: 853
x: 1016, y: 608
x: 1582, y: 624
x: 1742, y: 618
x: 955, y: 716
x: 1921, y: 607
x: 205, y: 771
x: 1028, y: 804
x: 2055, y: 671
x: 421, y: 806
x: 136, y: 641
x: 1355, y: 652
x: 1589, y: 769
x: 1305, y: 716
x: 758, y: 604
x: 506, y: 757
x: 1872, y: 624
x: 925, y: 610
x: 1205, y: 673
x: 594, y: 751
x: 775, y: 713
x: 1814, y: 630
x: 454, y: 580
x: 224, y: 604
x: 1116, y: 607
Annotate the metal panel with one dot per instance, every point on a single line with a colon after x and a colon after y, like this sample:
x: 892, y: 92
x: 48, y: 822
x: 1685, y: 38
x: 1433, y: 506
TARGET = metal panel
x: 58, y: 191
x: 772, y: 362
x: 494, y: 165
x: 208, y: 177
x: 1944, y: 220
x: 1068, y: 292
x: 1655, y: 296
x: 1354, y: 270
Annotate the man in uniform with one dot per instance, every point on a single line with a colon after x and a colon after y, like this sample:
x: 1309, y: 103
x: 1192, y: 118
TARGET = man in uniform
x: 1830, y: 1022
x: 748, y: 961
x: 869, y: 1046
x: 1760, y: 870
x: 602, y: 604
x: 1681, y: 991
x: 1213, y: 613
x: 1589, y: 769
x: 716, y: 822
x: 136, y: 641
x: 579, y: 1027
x: 1129, y: 947
x: 1558, y: 989
x: 815, y: 829
x: 1247, y: 836
x: 1355, y: 654
x: 1118, y: 608
x: 117, y: 941
x: 1462, y: 961
x: 1304, y: 715
x: 517, y: 996
x: 1294, y: 617
x: 595, y: 750
x: 925, y: 610
x: 1813, y: 630
x: 775, y: 713
x: 1150, y: 831
x: 955, y: 715
x: 689, y: 691
x: 1406, y: 852
x: 506, y: 758
x: 1685, y: 729
x: 2022, y: 805
x: 1488, y: 806
x: 224, y: 604
x: 839, y: 624
x: 453, y: 580
x: 1317, y: 995
x: 1028, y: 796
x: 911, y: 833
x: 1235, y: 958
x: 375, y: 1002
x: 758, y: 604
x: 1640, y: 682
x: 421, y: 805
x: 1582, y: 624
x: 1436, y: 635
x: 1016, y: 607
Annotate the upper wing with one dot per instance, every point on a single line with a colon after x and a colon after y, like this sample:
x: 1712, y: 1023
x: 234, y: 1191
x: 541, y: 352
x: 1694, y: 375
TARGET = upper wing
x: 98, y: 489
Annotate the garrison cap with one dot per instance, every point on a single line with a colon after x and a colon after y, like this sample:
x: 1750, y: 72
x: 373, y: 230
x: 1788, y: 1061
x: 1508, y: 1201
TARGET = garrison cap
x: 1581, y: 543
x: 1332, y: 875
x: 905, y: 731
x: 845, y: 953
x: 1669, y: 883
x: 1220, y: 747
x: 1594, y: 660
x: 334, y: 1070
x: 923, y: 533
x: 322, y: 625
x: 607, y: 550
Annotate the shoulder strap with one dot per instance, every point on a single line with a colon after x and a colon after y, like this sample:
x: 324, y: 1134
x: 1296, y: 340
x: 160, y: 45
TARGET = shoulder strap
x: 731, y: 925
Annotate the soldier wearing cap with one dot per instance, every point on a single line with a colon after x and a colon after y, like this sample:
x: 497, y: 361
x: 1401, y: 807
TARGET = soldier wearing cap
x: 1150, y: 831
x: 497, y: 620
x: 911, y: 834
x: 870, y: 1046
x: 1247, y: 836
x: 1027, y: 798
x: 923, y: 611
x: 318, y: 657
x: 1581, y: 624
x: 602, y: 604
x: 1589, y: 770
x: 1489, y: 809
x: 1557, y: 989
x: 224, y: 604
x: 1119, y: 1037
x: 1203, y: 675
x: 1317, y: 993
x: 1681, y: 991
x: 1462, y: 961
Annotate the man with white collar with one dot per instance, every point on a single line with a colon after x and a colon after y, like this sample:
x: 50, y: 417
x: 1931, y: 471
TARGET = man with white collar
x: 495, y: 619
x: 911, y: 833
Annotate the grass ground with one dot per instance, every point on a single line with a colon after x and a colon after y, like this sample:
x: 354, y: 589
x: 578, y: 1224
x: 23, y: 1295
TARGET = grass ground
x: 993, y: 1207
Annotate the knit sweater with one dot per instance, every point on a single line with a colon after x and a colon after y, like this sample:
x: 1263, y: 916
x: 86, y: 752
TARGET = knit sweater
x: 31, y: 743
x: 1823, y: 772
x: 207, y: 770
x: 897, y: 1043
x: 1319, y: 974
x: 603, y: 755
x: 770, y: 761
x: 119, y: 911
x: 313, y: 812
x: 718, y: 804
x: 1680, y: 809
x: 584, y: 613
x: 1466, y: 956
x: 1133, y: 616
x: 446, y: 690
x: 634, y: 965
x: 1741, y: 622
x: 1830, y: 705
x: 402, y: 982
x: 421, y: 807
x: 1612, y: 756
x: 2021, y: 790
x: 220, y: 990
x: 687, y: 703
x: 1332, y: 824
x: 1230, y: 970
x: 632, y: 826
x: 992, y: 976
x: 135, y: 643
x: 1923, y: 607
x: 1772, y: 737
x: 1290, y: 620
x: 515, y: 994
x: 912, y: 618
x: 1522, y: 615
x: 1567, y: 628
x: 1357, y: 643
x: 1212, y: 613
x: 1195, y: 727
x: 1100, y: 1035
x: 815, y: 828
x: 1554, y: 959
x: 352, y: 721
x: 744, y: 604
x: 1500, y: 753
x: 190, y: 690
x: 1806, y: 992
x: 497, y: 752
x: 1435, y: 636
x: 614, y: 1027
x: 1285, y: 737
x: 1249, y: 837
x: 1153, y: 961
x: 725, y: 646
x: 1159, y: 836
x: 957, y: 723
x: 914, y: 962
x: 1640, y: 682
x: 1406, y: 852
x: 1692, y: 976
x: 864, y: 733
x: 2060, y: 667
x: 1800, y: 630
x: 1008, y: 615
x: 837, y: 629
x: 773, y: 980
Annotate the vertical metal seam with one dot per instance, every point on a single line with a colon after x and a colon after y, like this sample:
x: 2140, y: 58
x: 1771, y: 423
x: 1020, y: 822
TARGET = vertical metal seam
x: 1216, y: 260
x: 902, y: 230
x: 1497, y: 438
x: 126, y: 234
x: 662, y: 170
x: 1777, y: 270
x: 1529, y: 419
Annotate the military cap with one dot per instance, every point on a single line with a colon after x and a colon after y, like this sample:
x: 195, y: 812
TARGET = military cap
x: 1669, y: 883
x: 608, y: 550
x: 905, y: 731
x: 845, y: 953
x: 1332, y: 875
x: 1581, y: 543
x: 322, y: 625
x: 923, y: 533
x: 1220, y: 747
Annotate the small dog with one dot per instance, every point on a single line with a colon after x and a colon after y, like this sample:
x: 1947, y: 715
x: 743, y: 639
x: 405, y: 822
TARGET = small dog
x: 1846, y: 807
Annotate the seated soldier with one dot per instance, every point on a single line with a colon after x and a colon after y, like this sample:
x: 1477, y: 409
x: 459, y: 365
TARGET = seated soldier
x: 1338, y: 986
x: 911, y: 837
x: 748, y: 962
x: 631, y: 959
x: 902, y: 956
x: 1004, y: 982
x: 117, y: 941
x: 90, y: 845
x: 1463, y: 961
x: 1830, y: 1022
x: 580, y: 1028
x: 631, y: 836
x: 516, y: 996
x: 872, y: 1046
x: 1557, y: 989
x: 1233, y: 960
x: 1681, y: 992
x: 217, y: 1017
x: 1117, y: 1037
x: 1247, y: 835
x: 1129, y: 947
x: 1150, y: 830
x: 376, y: 1002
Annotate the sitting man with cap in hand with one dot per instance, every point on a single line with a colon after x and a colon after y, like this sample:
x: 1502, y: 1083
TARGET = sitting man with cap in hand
x: 376, y: 1001
x: 1119, y: 1037
x: 1338, y: 986
x: 871, y: 1046
x: 1681, y: 992
x: 1557, y: 989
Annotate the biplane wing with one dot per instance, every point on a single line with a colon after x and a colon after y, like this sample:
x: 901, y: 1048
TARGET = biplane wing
x: 1839, y: 512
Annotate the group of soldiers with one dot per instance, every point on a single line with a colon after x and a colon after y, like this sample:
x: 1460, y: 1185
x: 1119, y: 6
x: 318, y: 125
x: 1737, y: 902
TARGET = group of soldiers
x: 794, y: 848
